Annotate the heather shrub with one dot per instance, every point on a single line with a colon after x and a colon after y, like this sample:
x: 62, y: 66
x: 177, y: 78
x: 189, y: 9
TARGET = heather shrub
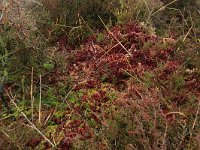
x: 77, y: 19
x: 76, y: 13
x: 137, y: 10
x: 15, y: 41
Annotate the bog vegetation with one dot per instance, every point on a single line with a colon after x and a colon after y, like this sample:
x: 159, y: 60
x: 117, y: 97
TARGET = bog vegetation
x: 100, y: 74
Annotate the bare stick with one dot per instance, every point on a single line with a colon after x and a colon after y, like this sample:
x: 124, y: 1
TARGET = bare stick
x: 31, y: 93
x: 40, y: 102
x: 164, y: 7
x: 196, y: 117
x: 180, y: 113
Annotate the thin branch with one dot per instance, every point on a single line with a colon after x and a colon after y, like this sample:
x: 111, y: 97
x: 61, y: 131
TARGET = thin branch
x: 196, y: 117
x: 31, y: 92
x: 180, y: 113
x: 114, y: 37
x: 40, y: 102
x: 164, y: 7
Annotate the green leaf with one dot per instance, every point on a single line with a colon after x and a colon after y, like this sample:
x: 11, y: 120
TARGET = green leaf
x: 48, y: 66
x: 73, y: 100
x: 100, y: 37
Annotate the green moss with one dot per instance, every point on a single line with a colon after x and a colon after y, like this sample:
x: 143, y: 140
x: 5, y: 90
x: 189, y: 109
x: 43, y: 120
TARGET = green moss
x: 59, y: 114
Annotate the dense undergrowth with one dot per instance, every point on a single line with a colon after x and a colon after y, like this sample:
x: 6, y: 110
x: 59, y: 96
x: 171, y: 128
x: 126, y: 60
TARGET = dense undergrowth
x: 100, y: 75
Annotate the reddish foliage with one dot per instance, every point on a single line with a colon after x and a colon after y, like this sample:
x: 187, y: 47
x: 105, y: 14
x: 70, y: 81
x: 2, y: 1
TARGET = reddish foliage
x: 74, y: 129
x: 110, y: 60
